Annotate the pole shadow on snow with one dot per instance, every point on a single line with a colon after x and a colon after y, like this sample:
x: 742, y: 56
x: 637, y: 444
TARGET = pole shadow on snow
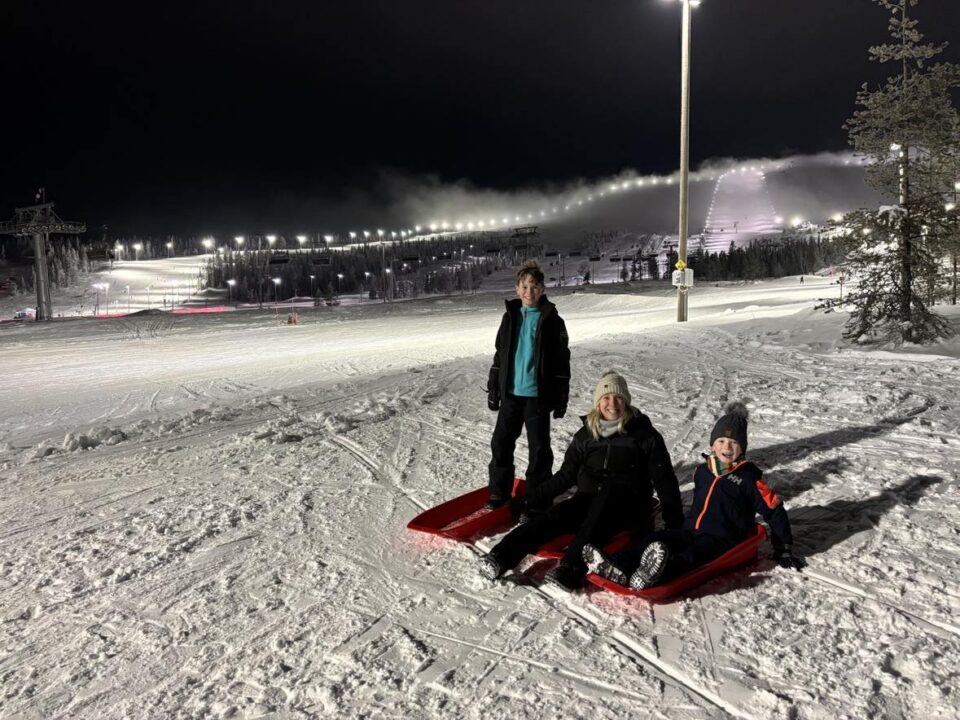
x: 784, y: 452
x: 817, y: 528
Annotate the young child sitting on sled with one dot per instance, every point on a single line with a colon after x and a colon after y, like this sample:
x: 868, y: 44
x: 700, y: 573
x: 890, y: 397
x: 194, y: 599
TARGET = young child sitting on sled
x: 615, y: 460
x: 729, y: 492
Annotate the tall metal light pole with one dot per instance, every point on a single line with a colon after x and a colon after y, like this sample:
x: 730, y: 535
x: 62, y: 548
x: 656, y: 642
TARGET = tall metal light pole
x: 684, y: 156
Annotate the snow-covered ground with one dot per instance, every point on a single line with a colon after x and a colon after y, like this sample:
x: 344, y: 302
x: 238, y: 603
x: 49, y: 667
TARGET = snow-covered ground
x: 204, y: 516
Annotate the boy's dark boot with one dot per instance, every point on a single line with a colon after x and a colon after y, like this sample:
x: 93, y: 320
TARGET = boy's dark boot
x: 501, y: 486
x: 600, y: 564
x: 496, y: 500
x: 652, y: 564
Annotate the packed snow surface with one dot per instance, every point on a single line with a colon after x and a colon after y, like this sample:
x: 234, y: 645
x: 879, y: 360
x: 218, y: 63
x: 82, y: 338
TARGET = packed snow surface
x: 204, y: 516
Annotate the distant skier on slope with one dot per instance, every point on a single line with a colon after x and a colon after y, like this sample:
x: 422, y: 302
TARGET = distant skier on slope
x: 529, y: 378
x: 728, y: 493
x: 615, y: 460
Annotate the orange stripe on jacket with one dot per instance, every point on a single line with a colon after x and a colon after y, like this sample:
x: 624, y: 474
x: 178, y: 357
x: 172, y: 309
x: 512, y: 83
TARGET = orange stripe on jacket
x: 768, y: 495
x: 712, y: 465
x: 706, y: 502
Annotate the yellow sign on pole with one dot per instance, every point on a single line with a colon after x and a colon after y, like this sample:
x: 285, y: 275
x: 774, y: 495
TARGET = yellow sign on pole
x: 681, y: 265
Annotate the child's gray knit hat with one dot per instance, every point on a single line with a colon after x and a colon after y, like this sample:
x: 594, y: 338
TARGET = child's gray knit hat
x: 733, y: 424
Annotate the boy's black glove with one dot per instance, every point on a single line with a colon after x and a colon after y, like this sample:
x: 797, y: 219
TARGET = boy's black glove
x: 493, y: 390
x: 561, y: 409
x: 784, y: 557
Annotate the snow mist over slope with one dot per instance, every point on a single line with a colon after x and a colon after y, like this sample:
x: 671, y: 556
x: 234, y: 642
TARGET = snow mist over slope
x: 208, y: 519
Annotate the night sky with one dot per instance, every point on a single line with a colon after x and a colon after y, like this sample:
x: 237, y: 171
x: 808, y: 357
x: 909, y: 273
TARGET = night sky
x: 223, y: 117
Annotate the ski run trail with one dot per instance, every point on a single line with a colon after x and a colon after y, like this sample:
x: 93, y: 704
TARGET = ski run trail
x: 204, y: 516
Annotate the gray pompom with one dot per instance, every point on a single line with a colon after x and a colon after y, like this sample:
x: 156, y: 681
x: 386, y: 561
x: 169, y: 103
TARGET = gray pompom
x: 737, y: 409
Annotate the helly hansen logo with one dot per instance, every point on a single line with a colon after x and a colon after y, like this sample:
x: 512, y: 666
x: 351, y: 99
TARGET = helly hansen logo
x: 735, y: 479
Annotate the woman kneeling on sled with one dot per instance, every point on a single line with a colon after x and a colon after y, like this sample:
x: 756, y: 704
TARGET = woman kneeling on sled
x: 616, y: 460
x: 729, y: 491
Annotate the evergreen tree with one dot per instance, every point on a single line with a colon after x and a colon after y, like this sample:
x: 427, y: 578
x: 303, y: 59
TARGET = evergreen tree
x: 909, y: 132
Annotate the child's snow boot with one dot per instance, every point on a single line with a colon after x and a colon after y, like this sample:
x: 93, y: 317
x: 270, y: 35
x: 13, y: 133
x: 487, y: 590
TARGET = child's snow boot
x: 600, y: 564
x: 652, y: 564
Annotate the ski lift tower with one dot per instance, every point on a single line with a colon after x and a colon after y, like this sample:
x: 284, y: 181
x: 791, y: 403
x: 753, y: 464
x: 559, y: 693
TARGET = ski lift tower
x: 40, y: 221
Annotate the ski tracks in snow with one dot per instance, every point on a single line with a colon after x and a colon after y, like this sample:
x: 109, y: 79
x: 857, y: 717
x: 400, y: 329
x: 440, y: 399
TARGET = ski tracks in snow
x: 250, y: 557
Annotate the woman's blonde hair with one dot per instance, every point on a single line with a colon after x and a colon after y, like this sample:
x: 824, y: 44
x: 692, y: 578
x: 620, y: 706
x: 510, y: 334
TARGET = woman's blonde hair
x: 593, y: 420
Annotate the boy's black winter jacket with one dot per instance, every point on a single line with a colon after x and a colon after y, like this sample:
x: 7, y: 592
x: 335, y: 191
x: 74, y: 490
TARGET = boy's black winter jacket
x: 551, y: 354
x: 726, y: 505
x: 637, y: 458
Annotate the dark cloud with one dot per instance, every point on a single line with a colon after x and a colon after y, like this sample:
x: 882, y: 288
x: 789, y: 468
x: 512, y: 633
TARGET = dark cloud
x: 206, y: 116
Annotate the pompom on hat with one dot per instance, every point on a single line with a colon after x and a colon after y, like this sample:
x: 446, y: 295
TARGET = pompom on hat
x: 733, y: 425
x: 611, y: 382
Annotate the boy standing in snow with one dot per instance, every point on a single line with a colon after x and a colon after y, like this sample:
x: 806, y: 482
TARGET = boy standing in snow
x: 529, y: 379
x: 729, y: 492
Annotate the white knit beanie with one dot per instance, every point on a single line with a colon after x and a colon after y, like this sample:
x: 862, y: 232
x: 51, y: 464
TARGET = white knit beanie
x: 611, y: 382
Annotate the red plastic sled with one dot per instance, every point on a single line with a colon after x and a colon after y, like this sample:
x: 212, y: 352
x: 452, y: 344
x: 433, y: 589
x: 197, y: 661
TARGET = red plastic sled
x: 742, y: 554
x: 464, y: 517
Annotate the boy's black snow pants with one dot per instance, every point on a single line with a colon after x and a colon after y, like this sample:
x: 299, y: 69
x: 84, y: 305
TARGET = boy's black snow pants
x: 515, y: 412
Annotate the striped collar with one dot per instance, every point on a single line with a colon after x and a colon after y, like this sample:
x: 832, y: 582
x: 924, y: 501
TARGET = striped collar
x: 720, y: 468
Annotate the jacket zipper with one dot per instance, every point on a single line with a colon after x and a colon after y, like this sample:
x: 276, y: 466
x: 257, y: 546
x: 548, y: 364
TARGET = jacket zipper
x: 706, y: 502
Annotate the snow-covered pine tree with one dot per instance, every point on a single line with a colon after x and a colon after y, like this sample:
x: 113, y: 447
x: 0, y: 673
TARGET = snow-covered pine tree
x: 909, y: 132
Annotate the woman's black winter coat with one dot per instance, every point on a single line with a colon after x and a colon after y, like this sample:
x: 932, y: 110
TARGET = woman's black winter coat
x: 637, y: 459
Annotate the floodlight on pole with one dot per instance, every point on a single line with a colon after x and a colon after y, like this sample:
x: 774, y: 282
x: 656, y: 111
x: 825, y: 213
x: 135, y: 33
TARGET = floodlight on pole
x: 230, y: 283
x: 137, y: 247
x: 271, y: 239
